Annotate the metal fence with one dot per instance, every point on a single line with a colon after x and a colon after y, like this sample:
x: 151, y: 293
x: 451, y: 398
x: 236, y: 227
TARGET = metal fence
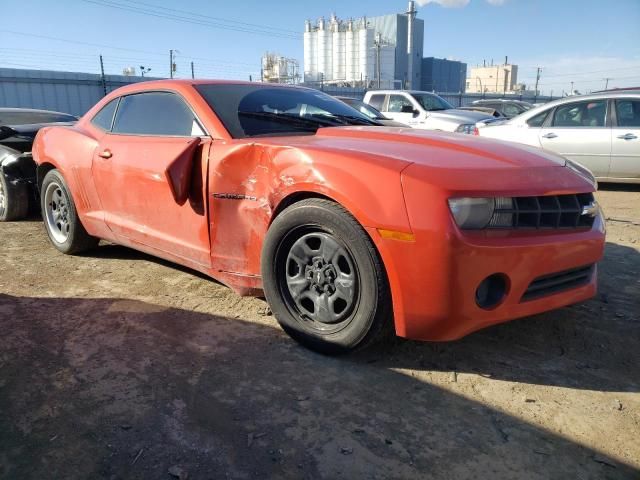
x: 455, y: 99
x: 75, y: 93
x: 67, y: 92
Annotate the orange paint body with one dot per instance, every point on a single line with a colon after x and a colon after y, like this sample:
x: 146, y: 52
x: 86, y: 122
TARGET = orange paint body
x: 397, y: 180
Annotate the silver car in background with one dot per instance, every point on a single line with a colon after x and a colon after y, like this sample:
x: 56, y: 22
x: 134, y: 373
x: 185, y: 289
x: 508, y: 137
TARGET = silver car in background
x: 599, y: 131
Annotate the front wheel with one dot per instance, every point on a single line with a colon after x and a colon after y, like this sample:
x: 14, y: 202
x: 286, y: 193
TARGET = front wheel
x: 60, y: 216
x: 324, y: 279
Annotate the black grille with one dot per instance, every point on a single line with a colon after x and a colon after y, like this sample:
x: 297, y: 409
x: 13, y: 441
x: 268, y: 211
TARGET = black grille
x: 550, y: 211
x: 558, y: 282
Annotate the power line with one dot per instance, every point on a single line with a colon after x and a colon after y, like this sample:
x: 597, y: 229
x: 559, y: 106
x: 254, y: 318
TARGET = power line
x: 593, y: 71
x: 199, y: 14
x: 183, y: 19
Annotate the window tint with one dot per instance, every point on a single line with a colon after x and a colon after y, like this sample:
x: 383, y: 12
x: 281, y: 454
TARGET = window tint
x: 628, y: 113
x: 155, y: 113
x: 29, y: 117
x: 104, y: 117
x: 538, y: 120
x: 511, y: 110
x: 376, y: 101
x: 251, y: 110
x: 581, y: 114
x: 396, y: 102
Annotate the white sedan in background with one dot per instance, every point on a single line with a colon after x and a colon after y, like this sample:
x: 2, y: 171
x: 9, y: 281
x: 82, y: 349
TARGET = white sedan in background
x: 599, y: 131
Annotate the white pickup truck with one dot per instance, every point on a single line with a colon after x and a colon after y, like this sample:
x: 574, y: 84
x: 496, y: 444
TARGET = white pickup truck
x: 425, y: 110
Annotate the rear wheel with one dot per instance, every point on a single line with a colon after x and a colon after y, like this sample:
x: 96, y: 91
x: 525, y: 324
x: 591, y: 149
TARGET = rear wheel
x: 61, y: 220
x: 324, y: 278
x: 14, y: 200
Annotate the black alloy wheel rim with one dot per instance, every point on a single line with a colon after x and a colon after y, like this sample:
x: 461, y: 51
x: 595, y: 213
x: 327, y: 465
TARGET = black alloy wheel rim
x: 319, y: 280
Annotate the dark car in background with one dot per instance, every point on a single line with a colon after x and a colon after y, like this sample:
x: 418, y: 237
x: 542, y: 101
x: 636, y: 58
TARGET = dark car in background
x: 505, y: 108
x: 18, y: 128
x: 371, y: 112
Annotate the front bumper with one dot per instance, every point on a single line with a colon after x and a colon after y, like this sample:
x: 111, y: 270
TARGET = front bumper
x: 434, y: 280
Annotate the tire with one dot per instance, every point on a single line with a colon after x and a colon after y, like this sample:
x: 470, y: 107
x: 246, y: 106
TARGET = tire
x: 60, y: 217
x: 14, y: 200
x: 324, y: 279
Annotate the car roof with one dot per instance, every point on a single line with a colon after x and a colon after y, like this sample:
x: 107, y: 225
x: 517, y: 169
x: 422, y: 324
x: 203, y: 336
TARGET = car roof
x: 31, y: 110
x: 574, y: 98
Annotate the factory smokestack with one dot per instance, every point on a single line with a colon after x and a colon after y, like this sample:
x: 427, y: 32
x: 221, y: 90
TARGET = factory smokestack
x: 411, y: 14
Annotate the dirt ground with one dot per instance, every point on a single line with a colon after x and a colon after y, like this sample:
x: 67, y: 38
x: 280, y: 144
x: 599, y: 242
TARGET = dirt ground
x: 117, y: 365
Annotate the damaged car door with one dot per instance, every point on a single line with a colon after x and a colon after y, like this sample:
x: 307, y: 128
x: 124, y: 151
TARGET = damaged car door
x: 149, y: 174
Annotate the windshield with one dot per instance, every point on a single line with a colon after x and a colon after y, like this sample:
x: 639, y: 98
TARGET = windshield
x: 431, y: 102
x: 260, y: 110
x: 365, y: 109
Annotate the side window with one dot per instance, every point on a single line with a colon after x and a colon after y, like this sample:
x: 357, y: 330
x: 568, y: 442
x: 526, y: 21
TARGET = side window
x: 155, y: 113
x: 538, y: 120
x: 396, y: 102
x: 628, y: 113
x: 510, y: 110
x: 376, y: 101
x: 104, y: 117
x: 581, y: 114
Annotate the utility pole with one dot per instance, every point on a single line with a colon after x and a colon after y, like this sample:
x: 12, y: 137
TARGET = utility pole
x: 104, y: 81
x: 537, y: 80
x: 192, y: 72
x: 606, y: 85
x: 170, y: 63
x: 571, y: 92
x: 378, y: 45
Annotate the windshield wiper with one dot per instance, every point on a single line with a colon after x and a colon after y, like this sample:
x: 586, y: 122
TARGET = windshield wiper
x: 349, y: 119
x: 310, y: 123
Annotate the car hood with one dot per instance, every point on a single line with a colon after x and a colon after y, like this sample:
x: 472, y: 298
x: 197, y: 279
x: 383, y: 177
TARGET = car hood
x: 404, y: 146
x: 460, y: 116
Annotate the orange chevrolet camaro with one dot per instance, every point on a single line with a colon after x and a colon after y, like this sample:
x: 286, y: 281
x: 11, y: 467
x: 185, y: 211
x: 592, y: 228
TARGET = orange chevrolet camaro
x: 349, y: 229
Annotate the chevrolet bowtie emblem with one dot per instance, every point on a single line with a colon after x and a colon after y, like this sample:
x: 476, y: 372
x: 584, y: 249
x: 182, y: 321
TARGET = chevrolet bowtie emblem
x: 590, y: 210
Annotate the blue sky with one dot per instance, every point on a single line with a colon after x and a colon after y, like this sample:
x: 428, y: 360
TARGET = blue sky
x: 584, y: 41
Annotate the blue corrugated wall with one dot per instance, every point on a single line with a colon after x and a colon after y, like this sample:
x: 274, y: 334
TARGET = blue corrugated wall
x: 67, y: 92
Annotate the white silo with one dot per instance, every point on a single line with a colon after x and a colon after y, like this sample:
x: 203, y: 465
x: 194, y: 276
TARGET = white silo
x: 350, y: 53
x: 365, y: 52
x: 338, y: 50
x: 310, y: 52
x: 324, y: 47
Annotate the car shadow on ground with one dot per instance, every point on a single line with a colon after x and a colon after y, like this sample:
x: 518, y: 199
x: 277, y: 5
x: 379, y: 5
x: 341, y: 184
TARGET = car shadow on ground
x: 118, y: 388
x: 589, y: 346
x: 593, y: 345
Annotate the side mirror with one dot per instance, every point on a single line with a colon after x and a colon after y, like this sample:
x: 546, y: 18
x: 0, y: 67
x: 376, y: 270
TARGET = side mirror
x: 416, y: 113
x: 178, y: 172
x: 407, y: 109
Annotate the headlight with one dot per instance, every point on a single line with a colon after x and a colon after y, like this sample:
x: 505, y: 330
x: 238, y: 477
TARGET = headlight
x: 472, y: 213
x: 468, y: 128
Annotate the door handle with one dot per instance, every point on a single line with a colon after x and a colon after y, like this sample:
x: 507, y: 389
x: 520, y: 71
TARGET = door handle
x: 105, y: 154
x: 550, y: 135
x: 627, y: 136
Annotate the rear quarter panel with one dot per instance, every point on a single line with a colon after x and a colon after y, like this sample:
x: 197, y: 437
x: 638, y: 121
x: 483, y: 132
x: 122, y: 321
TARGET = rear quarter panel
x: 70, y: 150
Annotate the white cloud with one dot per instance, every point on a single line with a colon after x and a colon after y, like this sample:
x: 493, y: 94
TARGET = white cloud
x: 445, y: 3
x: 457, y: 3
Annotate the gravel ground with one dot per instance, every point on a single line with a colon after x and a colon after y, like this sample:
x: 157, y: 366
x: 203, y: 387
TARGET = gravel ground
x: 118, y: 365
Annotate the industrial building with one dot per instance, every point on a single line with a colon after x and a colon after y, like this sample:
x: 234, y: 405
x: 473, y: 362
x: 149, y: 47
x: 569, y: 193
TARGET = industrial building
x: 383, y: 51
x: 493, y: 79
x: 278, y: 69
x: 441, y: 75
